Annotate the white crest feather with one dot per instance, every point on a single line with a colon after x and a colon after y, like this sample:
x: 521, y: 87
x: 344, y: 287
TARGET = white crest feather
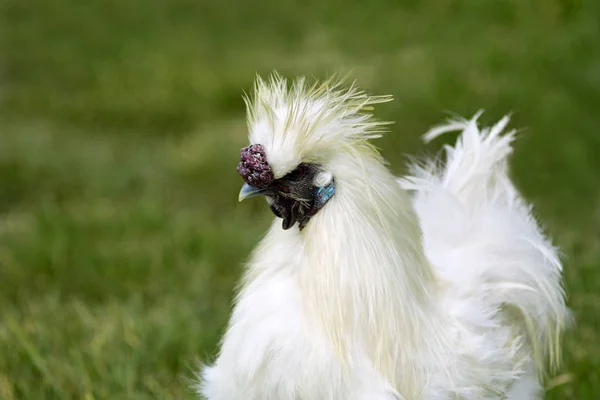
x: 305, y: 122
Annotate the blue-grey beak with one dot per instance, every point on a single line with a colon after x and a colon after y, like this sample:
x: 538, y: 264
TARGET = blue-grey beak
x: 249, y: 191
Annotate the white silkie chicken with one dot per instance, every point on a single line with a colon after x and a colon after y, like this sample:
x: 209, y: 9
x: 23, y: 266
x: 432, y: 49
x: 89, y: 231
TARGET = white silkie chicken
x: 439, y: 285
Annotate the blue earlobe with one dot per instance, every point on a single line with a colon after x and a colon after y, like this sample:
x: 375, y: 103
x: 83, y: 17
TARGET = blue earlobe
x: 323, y: 194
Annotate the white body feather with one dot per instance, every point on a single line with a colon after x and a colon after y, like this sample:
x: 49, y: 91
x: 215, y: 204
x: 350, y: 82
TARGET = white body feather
x: 439, y: 286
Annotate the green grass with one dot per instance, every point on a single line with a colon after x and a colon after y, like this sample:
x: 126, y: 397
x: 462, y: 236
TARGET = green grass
x: 121, y: 237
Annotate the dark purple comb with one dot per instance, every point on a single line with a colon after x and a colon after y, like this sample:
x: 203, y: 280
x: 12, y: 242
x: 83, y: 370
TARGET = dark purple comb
x: 253, y: 166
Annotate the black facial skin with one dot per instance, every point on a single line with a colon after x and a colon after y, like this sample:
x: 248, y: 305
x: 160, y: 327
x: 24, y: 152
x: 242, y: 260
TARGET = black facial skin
x: 292, y: 197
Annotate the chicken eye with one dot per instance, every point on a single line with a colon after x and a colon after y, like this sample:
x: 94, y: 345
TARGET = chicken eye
x: 297, y: 173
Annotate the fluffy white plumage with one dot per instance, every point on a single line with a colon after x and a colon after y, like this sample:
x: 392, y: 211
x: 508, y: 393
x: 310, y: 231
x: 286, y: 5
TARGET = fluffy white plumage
x: 439, y: 285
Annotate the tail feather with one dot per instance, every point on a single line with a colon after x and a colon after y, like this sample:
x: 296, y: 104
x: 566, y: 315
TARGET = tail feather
x: 478, y: 160
x: 502, y: 244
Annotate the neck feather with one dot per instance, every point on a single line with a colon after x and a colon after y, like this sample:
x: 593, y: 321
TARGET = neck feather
x: 365, y: 277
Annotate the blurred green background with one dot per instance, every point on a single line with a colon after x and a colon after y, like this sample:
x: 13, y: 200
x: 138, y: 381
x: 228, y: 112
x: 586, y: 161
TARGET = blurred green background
x: 121, y: 122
